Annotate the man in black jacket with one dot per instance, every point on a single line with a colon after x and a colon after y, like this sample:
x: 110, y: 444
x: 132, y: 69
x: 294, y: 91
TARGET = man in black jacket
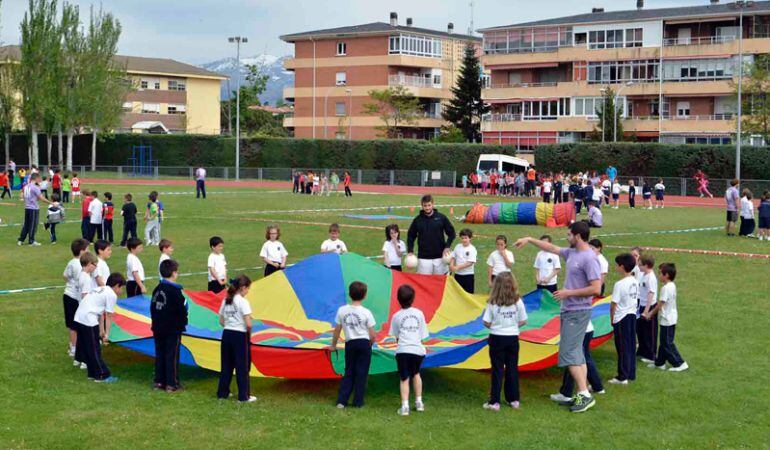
x: 429, y: 227
x: 168, y: 310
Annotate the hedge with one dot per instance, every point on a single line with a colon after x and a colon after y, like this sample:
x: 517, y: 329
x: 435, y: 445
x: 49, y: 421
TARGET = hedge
x: 653, y: 159
x: 191, y: 150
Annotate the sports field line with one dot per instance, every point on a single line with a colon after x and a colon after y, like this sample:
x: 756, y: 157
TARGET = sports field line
x: 684, y: 230
x: 698, y: 252
x: 363, y: 208
x: 186, y: 274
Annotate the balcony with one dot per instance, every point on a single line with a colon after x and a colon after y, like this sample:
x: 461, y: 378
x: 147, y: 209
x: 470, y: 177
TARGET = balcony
x: 288, y: 120
x: 518, y: 122
x: 708, y: 40
x: 411, y: 81
x: 289, y: 94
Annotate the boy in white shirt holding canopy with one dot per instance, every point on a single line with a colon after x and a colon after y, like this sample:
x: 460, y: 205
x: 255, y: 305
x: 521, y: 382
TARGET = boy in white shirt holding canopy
x: 547, y: 267
x: 623, y: 317
x: 217, y: 265
x: 334, y: 244
x: 409, y: 328
x: 647, y: 326
x: 666, y: 311
x: 463, y: 261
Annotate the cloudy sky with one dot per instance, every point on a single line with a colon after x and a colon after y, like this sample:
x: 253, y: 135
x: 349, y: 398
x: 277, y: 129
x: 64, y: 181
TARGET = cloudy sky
x: 196, y: 31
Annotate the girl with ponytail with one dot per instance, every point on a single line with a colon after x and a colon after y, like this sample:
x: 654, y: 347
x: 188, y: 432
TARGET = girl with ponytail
x: 235, y: 317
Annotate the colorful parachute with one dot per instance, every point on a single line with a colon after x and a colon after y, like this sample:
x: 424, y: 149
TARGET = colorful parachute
x: 294, y: 312
x: 523, y: 213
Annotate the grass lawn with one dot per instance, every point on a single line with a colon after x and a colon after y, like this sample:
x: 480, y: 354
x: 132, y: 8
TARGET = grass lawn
x: 46, y: 403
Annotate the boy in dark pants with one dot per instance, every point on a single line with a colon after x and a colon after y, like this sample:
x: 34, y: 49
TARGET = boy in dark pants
x: 647, y: 323
x: 168, y: 310
x: 623, y: 317
x: 129, y: 219
x: 92, y: 330
x: 107, y: 216
x: 358, y: 323
x: 667, y: 314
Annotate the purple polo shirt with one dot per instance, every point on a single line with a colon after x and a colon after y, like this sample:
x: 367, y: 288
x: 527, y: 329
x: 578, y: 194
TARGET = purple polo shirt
x: 582, y: 268
x: 31, y: 193
x: 732, y: 197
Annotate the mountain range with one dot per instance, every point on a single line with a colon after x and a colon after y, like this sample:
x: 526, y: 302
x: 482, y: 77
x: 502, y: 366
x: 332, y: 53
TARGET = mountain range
x: 272, y: 66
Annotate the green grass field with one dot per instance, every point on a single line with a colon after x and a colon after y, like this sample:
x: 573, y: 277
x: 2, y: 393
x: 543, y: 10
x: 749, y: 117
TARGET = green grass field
x: 722, y: 401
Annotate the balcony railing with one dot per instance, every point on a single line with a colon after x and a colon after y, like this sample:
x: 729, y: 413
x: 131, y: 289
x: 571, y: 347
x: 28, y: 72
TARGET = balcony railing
x: 708, y: 40
x: 520, y: 85
x: 723, y: 116
x: 507, y: 117
x: 410, y: 80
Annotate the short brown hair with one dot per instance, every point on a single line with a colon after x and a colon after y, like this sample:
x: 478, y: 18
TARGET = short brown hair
x: 78, y: 245
x: 272, y: 227
x: 647, y: 260
x: 164, y: 244
x: 427, y: 198
x: 668, y: 269
x: 88, y: 258
x: 735, y: 182
x: 334, y: 227
x: 357, y: 290
x: 405, y: 296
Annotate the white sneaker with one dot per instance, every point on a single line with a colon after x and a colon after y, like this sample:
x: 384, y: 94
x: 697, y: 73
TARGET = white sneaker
x: 681, y: 368
x: 20, y: 243
x: 76, y: 363
x: 403, y: 411
x: 653, y: 366
x: 646, y: 361
x: 251, y: 399
x: 35, y: 244
x: 340, y: 406
x: 616, y: 381
x: 83, y: 366
x: 515, y: 405
x: 492, y: 407
x: 419, y: 406
x: 560, y: 398
x: 71, y: 352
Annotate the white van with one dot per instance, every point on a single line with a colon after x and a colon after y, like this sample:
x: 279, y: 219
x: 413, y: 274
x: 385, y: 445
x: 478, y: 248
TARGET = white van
x: 501, y: 163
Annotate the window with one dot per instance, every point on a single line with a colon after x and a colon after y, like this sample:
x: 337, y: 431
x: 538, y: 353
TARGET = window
x: 128, y: 106
x: 150, y: 108
x: 545, y: 109
x: 177, y: 109
x: 700, y: 69
x: 587, y: 106
x: 654, y: 107
x: 341, y: 79
x: 339, y: 108
x: 599, y: 39
x: 408, y: 44
x: 633, y: 37
x: 342, y: 49
x: 150, y: 83
x: 177, y: 85
x: 683, y: 109
x: 623, y: 71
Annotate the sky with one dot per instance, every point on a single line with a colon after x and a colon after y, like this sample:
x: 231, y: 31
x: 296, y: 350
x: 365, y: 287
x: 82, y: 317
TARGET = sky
x: 196, y: 31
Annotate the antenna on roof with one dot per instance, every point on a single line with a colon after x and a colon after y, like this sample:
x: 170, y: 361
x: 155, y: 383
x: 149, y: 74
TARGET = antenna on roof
x: 470, y: 28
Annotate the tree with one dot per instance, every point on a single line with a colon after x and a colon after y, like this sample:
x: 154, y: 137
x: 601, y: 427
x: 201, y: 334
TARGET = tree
x: 395, y: 106
x: 450, y: 134
x: 39, y: 44
x: 8, y: 104
x: 604, y: 130
x: 466, y: 107
x: 755, y: 103
x: 72, y: 103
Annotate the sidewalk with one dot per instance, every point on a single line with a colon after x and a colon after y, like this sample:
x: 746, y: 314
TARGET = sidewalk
x: 671, y: 200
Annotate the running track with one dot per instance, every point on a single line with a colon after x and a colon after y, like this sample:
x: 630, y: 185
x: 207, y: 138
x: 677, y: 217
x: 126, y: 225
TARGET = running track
x: 671, y: 200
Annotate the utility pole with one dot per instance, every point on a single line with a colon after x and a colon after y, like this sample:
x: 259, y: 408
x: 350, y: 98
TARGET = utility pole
x: 238, y: 40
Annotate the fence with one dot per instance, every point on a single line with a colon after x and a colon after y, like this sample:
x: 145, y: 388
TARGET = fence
x: 689, y: 186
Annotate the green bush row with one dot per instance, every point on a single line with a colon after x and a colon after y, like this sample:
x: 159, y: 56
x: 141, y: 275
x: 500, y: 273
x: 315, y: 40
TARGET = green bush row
x: 653, y: 159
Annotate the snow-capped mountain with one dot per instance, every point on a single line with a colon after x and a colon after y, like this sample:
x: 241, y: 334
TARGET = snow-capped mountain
x: 271, y: 66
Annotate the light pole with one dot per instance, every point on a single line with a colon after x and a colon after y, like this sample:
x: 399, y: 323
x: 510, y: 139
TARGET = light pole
x: 741, y: 5
x: 350, y: 113
x: 238, y: 40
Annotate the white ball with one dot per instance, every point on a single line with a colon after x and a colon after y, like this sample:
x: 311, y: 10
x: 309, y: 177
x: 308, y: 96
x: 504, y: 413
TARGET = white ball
x: 447, y: 258
x: 411, y: 261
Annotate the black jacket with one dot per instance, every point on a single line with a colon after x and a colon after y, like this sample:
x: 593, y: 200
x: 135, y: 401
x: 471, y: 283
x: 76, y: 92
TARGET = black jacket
x: 168, y: 309
x: 430, y: 231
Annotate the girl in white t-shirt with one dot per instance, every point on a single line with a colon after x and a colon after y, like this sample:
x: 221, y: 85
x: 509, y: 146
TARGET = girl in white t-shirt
x: 747, y: 215
x: 273, y: 251
x: 500, y: 260
x: 503, y: 315
x: 394, y: 248
x: 235, y: 317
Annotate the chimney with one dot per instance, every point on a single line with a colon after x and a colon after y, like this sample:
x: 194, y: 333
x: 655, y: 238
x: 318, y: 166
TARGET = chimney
x: 640, y: 4
x: 409, y: 21
x: 450, y: 28
x: 597, y: 10
x: 393, y: 19
x: 714, y: 2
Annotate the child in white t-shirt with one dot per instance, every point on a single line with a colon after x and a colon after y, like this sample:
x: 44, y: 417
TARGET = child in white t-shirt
x: 217, y: 265
x: 668, y: 317
x: 547, y: 267
x: 166, y: 248
x: 358, y: 324
x: 647, y: 325
x: 504, y: 315
x: 463, y: 262
x: 606, y: 190
x: 85, y: 284
x: 623, y: 318
x: 393, y: 249
x: 547, y: 186
x: 615, y: 195
x: 409, y: 328
x: 103, y: 253
x: 334, y: 244
x: 500, y: 260
x: 604, y: 266
x: 273, y: 251
x: 71, y: 297
x: 134, y: 269
x: 235, y: 317
x: 660, y: 190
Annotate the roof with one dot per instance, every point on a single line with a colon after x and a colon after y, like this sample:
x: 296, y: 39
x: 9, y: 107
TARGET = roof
x: 683, y: 12
x: 136, y: 64
x: 148, y: 125
x: 272, y: 109
x: 372, y: 28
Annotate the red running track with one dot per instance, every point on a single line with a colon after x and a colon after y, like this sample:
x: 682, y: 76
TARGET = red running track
x: 671, y: 200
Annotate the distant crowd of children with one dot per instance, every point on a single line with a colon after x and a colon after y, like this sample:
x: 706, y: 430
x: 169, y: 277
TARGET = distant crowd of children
x: 312, y: 183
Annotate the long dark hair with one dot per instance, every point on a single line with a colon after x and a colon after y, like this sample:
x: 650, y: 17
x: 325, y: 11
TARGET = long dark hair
x: 389, y: 228
x: 235, y: 285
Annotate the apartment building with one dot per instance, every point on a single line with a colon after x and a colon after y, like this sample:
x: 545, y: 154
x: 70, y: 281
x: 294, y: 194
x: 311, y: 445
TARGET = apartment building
x: 336, y: 68
x: 672, y: 71
x: 169, y: 96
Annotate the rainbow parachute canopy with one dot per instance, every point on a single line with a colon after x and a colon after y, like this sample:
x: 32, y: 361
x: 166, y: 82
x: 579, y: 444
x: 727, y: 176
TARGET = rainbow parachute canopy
x: 523, y: 213
x: 293, y: 315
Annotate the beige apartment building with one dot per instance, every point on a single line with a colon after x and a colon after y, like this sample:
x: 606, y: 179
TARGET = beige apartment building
x: 336, y: 68
x: 170, y: 96
x: 672, y: 70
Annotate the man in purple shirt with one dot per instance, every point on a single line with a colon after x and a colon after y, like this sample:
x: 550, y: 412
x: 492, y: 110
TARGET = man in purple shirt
x: 733, y: 199
x: 32, y: 195
x: 582, y: 284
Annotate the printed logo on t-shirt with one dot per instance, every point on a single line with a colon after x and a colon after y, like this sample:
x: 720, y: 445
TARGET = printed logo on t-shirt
x: 550, y: 260
x: 467, y: 253
x: 353, y: 320
x: 410, y: 323
x: 338, y: 246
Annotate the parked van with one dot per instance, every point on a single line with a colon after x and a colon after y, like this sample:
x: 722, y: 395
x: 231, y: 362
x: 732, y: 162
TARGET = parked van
x: 501, y: 163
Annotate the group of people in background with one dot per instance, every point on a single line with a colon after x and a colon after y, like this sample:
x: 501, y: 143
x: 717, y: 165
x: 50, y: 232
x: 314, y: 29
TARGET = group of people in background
x: 312, y: 183
x: 741, y: 203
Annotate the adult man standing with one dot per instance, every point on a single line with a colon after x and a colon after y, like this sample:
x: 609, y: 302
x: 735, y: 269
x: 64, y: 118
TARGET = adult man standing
x: 429, y: 227
x: 582, y: 284
x: 200, y: 182
x: 531, y: 181
x: 733, y: 200
x: 31, y: 195
x: 612, y: 173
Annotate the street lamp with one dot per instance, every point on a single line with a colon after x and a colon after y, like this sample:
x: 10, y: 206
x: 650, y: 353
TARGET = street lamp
x: 350, y: 113
x: 615, y: 109
x: 741, y: 6
x: 238, y: 40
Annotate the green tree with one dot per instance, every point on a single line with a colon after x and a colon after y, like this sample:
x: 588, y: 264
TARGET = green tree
x: 72, y: 105
x: 8, y: 104
x: 755, y: 104
x: 395, y: 106
x: 608, y: 116
x: 450, y: 134
x: 465, y: 108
